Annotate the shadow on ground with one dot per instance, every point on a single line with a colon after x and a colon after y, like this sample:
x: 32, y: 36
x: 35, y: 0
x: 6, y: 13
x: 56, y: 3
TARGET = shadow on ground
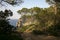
x: 12, y: 36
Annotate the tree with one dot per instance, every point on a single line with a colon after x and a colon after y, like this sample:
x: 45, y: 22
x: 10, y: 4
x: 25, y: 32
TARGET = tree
x: 35, y: 9
x: 23, y: 11
x: 5, y: 27
x: 55, y: 3
x: 11, y: 2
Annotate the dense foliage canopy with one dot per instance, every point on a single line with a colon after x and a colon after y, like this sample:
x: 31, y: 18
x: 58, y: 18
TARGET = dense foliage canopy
x: 11, y: 2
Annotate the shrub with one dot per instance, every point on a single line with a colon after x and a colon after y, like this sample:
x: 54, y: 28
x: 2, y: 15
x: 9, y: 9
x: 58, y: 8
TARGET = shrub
x: 53, y: 30
x: 37, y: 32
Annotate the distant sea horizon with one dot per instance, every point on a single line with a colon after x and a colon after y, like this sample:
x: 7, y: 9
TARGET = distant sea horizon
x: 13, y: 22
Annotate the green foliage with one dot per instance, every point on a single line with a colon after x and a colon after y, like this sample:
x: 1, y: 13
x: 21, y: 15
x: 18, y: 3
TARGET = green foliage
x: 11, y: 2
x: 7, y: 31
x: 5, y: 14
x: 24, y: 28
x: 38, y: 32
x: 53, y: 1
x: 40, y: 15
x: 46, y: 20
x: 35, y: 9
x: 23, y: 10
x: 5, y: 27
x: 53, y: 31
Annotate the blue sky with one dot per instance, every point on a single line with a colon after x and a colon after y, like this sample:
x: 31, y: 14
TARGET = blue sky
x: 33, y: 3
x: 26, y: 4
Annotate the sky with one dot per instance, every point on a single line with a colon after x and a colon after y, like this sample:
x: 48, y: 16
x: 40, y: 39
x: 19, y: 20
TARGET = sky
x: 26, y: 4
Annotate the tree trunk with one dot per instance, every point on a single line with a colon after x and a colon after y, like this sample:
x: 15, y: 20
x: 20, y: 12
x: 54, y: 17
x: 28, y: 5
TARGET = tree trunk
x: 55, y: 12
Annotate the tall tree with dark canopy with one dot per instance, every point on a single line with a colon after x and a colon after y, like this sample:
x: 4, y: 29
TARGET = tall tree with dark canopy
x: 56, y: 5
x: 5, y: 27
x: 11, y: 2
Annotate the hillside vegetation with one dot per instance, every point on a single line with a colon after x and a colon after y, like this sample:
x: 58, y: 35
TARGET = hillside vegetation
x: 39, y: 20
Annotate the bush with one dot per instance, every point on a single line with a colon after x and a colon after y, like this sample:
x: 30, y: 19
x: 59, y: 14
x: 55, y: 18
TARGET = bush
x: 10, y: 37
x: 53, y: 30
x: 37, y: 32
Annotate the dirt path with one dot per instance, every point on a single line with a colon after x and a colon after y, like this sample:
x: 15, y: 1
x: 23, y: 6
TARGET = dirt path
x: 29, y: 36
